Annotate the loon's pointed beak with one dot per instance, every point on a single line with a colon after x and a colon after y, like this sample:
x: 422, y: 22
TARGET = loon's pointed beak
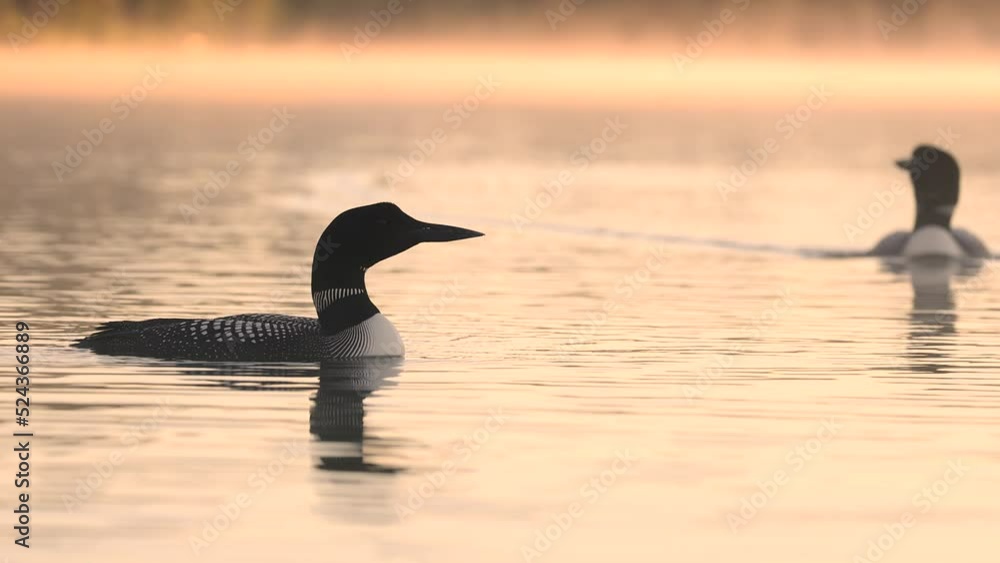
x: 430, y: 232
x: 905, y: 163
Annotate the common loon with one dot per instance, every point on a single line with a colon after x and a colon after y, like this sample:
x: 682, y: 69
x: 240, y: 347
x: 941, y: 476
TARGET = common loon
x: 934, y: 173
x: 348, y: 324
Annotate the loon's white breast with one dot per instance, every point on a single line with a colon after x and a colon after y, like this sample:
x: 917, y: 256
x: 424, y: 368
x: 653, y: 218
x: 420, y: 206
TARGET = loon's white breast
x: 380, y: 339
x: 932, y: 240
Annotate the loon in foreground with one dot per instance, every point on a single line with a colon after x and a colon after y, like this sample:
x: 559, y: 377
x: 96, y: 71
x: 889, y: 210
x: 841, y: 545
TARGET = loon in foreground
x: 348, y: 324
x: 934, y: 173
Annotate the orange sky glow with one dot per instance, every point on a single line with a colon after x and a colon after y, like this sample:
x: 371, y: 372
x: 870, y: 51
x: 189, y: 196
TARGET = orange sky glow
x: 645, y: 76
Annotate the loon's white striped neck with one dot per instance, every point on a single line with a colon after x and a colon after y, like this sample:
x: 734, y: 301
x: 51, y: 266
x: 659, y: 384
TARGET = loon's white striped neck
x: 339, y: 294
x: 327, y: 297
x: 342, y: 306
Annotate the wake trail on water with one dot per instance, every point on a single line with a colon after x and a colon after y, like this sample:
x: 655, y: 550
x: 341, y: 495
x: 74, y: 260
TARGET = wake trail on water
x: 718, y: 243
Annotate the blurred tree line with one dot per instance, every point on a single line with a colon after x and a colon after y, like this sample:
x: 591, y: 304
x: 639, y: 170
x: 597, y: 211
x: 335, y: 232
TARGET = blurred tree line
x: 801, y: 21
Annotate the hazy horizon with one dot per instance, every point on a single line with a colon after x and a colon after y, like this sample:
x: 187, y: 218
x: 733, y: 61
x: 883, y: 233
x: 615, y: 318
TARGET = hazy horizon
x: 871, y: 23
x: 723, y: 53
x: 641, y: 76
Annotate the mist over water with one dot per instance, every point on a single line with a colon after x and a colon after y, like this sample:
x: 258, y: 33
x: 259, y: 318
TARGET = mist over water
x: 757, y: 23
x: 727, y: 53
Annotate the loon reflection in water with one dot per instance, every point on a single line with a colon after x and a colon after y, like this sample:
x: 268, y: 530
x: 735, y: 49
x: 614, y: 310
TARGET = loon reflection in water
x: 337, y: 410
x: 933, y: 315
x: 337, y: 415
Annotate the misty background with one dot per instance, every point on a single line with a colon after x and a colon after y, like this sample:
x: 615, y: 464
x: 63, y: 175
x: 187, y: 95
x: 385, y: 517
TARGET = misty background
x: 848, y: 24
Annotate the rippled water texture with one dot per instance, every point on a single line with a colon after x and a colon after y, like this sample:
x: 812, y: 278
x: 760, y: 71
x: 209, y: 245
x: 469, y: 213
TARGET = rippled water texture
x: 628, y: 367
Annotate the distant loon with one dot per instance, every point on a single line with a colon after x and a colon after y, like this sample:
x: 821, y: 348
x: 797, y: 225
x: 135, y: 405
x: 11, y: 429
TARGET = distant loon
x: 349, y: 325
x: 934, y: 173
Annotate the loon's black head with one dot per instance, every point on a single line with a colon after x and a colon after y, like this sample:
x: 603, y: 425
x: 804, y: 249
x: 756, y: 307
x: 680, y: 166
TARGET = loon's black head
x: 934, y: 173
x: 361, y: 237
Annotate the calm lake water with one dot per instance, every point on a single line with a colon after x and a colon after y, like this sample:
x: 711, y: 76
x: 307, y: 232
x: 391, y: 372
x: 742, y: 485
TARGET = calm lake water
x: 627, y: 367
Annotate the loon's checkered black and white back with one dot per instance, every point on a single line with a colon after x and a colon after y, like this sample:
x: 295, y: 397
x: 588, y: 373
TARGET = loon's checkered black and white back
x: 252, y: 337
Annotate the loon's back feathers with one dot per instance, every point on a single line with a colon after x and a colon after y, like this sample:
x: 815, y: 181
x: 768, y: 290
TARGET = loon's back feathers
x: 250, y: 337
x: 125, y: 329
x: 348, y: 325
x: 971, y: 244
x: 195, y: 339
x: 117, y: 329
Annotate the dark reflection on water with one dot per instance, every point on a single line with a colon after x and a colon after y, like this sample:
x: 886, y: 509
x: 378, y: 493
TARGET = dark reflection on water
x: 932, y: 318
x: 337, y: 415
x: 337, y: 411
x: 346, y: 480
x: 933, y: 309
